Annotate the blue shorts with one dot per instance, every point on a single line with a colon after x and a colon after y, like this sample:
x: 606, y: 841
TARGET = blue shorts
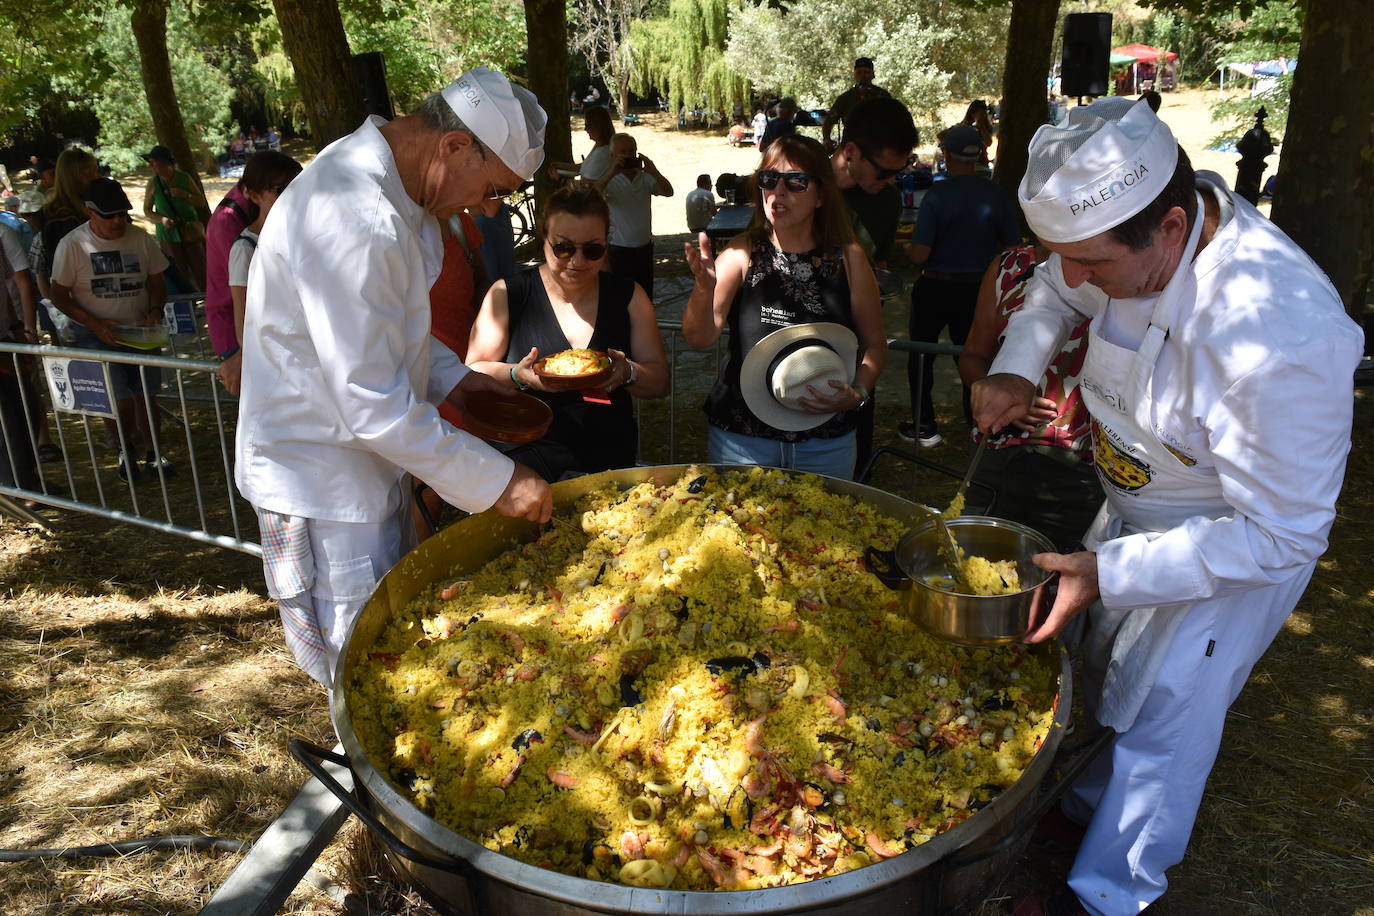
x: 831, y: 457
x: 126, y: 379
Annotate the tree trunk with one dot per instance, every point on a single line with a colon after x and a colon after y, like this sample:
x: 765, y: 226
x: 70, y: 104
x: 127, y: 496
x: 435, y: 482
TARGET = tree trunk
x: 1030, y: 41
x: 546, y: 43
x: 1325, y: 187
x: 149, y: 23
x: 313, y: 34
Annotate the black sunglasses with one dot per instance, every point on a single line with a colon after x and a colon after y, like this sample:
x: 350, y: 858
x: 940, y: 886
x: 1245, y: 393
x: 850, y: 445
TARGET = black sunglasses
x: 592, y: 251
x: 883, y: 174
x: 795, y: 181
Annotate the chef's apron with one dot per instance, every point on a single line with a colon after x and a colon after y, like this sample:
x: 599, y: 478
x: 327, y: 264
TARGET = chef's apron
x: 1150, y: 489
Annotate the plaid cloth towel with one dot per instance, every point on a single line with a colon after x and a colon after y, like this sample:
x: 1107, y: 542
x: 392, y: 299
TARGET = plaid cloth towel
x: 289, y: 567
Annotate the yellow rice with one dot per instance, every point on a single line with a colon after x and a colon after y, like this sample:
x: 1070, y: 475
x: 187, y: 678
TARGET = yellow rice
x: 839, y: 733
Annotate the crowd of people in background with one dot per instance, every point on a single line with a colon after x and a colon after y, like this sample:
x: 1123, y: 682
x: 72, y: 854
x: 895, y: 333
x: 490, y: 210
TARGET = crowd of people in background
x: 1131, y: 369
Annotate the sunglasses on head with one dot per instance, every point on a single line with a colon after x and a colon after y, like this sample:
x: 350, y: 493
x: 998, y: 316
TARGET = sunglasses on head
x: 592, y: 251
x: 883, y: 174
x: 795, y: 181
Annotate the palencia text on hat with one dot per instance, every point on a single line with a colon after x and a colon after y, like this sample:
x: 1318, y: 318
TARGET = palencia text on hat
x: 1111, y: 188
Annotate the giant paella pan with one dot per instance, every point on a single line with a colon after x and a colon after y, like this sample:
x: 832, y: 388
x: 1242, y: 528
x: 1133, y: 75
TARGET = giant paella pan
x: 820, y: 834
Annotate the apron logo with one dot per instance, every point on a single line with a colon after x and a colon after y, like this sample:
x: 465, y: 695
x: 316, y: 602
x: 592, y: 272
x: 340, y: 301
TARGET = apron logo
x: 1175, y: 447
x: 1123, y: 471
x: 1109, y: 395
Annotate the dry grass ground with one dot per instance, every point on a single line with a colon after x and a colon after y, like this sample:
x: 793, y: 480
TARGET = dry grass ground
x: 144, y: 690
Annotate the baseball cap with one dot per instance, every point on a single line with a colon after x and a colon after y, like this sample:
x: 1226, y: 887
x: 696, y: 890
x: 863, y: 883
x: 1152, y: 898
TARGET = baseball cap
x: 159, y: 152
x: 505, y: 117
x: 106, y: 197
x: 1103, y: 165
x: 962, y: 142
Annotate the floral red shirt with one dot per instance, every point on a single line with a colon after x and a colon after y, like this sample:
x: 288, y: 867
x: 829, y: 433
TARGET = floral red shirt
x: 1072, y: 429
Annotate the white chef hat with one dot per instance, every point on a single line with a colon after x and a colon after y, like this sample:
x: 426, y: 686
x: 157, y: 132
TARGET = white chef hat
x: 1103, y: 165
x: 505, y: 117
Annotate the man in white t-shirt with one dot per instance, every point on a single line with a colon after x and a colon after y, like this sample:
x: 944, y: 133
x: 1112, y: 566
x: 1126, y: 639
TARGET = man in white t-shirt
x: 107, y: 273
x: 701, y: 205
x: 629, y: 184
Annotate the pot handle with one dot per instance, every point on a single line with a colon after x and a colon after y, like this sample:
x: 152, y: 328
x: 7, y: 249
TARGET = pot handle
x: 883, y: 564
x: 311, y: 757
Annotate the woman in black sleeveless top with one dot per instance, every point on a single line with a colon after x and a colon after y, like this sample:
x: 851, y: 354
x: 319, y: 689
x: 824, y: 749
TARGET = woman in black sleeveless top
x: 797, y: 264
x: 566, y: 303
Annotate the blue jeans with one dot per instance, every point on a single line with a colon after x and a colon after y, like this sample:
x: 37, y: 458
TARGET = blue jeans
x: 831, y: 457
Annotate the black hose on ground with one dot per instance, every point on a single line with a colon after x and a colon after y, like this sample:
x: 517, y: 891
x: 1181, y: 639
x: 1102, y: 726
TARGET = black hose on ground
x: 127, y: 848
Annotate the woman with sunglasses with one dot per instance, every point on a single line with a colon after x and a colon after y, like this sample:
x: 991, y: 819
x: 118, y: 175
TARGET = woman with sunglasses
x: 797, y: 264
x: 570, y: 302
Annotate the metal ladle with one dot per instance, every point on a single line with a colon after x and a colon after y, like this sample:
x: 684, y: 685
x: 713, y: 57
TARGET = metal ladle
x: 949, y: 546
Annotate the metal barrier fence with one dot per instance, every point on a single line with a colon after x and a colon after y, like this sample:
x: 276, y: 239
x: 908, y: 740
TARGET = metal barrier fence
x: 194, y: 496
x: 184, y: 483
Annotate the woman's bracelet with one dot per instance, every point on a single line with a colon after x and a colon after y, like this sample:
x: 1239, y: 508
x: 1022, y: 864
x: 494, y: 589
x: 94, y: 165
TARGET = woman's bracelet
x: 515, y: 380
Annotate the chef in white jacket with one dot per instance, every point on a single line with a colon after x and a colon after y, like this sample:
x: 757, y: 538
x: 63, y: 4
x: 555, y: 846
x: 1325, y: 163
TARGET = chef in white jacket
x: 340, y: 373
x: 1219, y: 374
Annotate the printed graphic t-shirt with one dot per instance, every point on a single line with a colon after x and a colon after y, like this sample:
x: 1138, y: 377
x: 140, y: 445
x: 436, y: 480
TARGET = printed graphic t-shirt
x: 109, y: 277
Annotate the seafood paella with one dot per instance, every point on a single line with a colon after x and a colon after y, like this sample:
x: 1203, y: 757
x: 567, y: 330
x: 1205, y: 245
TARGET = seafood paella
x: 695, y: 686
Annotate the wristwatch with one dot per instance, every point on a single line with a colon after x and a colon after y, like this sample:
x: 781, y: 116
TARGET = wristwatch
x: 634, y: 370
x: 863, y: 396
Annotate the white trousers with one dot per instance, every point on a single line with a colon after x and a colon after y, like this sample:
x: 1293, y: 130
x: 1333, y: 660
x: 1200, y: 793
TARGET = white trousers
x: 1140, y: 797
x: 347, y: 560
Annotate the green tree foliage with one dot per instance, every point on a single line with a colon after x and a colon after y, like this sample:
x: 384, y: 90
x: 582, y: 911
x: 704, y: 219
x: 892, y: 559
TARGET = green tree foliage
x: 126, y: 127
x: 430, y: 42
x: 925, y: 52
x: 37, y: 67
x: 1272, y: 30
x: 682, y: 55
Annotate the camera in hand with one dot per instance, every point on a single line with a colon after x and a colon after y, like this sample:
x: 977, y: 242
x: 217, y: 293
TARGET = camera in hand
x: 633, y: 162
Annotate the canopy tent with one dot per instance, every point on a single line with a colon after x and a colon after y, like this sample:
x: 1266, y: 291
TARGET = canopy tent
x: 1258, y: 70
x: 1141, y: 54
x: 1135, y: 55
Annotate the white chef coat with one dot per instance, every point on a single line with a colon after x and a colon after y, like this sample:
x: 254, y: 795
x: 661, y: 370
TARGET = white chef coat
x: 1252, y: 385
x: 1227, y: 459
x: 340, y: 373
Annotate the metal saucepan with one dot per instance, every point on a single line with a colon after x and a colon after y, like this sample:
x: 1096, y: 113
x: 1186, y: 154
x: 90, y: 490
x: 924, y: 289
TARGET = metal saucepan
x: 966, y: 620
x: 455, y: 875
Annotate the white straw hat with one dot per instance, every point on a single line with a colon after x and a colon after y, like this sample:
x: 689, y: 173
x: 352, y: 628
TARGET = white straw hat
x: 505, y: 117
x: 1103, y: 165
x: 777, y: 371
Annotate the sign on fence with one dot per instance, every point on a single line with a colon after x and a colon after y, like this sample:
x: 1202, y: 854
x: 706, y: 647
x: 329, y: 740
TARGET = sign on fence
x: 181, y: 317
x: 80, y: 385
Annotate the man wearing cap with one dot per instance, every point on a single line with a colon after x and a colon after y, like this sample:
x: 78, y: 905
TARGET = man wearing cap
x: 340, y: 372
x: 964, y: 223
x: 172, y: 203
x: 862, y: 90
x: 1218, y: 373
x: 107, y: 273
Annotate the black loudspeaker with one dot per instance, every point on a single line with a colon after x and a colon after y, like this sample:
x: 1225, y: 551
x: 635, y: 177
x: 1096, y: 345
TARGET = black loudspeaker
x: 370, y: 71
x: 1087, y: 52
